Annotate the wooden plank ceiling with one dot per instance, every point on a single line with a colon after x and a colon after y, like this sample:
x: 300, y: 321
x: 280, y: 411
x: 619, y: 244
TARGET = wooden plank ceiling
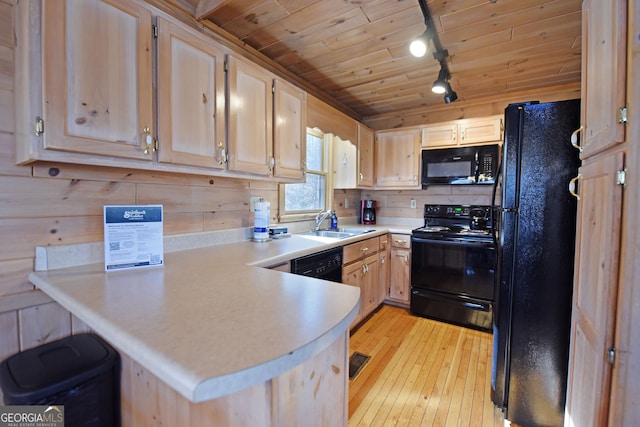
x: 357, y: 52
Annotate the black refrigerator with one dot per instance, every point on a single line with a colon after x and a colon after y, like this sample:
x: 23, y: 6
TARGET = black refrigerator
x: 535, y: 257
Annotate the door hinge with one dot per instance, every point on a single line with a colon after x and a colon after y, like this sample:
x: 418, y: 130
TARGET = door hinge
x: 273, y: 87
x: 226, y: 65
x: 622, y: 115
x: 39, y: 127
x: 621, y: 177
x: 611, y: 355
x: 156, y: 145
x: 154, y: 31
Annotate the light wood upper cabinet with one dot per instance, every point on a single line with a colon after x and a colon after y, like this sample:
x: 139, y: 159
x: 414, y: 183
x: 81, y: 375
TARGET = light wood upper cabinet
x: 254, y: 96
x: 397, y: 154
x: 191, y: 101
x: 96, y: 80
x: 604, y: 67
x: 250, y: 118
x: 290, y: 131
x: 463, y: 132
x: 365, y: 176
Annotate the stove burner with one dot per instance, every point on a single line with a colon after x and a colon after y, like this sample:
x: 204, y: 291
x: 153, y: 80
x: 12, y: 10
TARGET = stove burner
x: 434, y: 228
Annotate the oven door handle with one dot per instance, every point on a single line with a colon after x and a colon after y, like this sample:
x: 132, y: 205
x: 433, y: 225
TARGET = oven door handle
x: 474, y: 305
x: 476, y: 244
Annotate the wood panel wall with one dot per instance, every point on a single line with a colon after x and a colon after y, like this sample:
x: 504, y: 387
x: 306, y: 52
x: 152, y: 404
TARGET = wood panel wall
x: 52, y: 204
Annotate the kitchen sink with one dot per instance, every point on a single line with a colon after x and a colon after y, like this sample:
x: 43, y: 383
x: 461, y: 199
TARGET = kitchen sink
x: 340, y: 233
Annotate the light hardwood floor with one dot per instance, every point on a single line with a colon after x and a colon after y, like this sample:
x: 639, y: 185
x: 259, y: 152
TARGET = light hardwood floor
x: 421, y: 373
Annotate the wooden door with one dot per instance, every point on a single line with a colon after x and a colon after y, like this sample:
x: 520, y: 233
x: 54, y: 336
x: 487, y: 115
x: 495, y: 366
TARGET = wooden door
x: 481, y: 130
x: 397, y: 156
x: 369, y: 284
x: 383, y: 277
x: 352, y: 275
x: 399, y: 276
x: 603, y: 73
x: 365, y: 157
x: 440, y: 135
x: 595, y: 291
x: 250, y: 118
x: 191, y: 102
x: 97, y: 78
x: 290, y: 130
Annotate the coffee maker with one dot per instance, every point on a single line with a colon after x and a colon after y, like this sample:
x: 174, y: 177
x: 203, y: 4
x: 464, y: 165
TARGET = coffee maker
x: 368, y: 212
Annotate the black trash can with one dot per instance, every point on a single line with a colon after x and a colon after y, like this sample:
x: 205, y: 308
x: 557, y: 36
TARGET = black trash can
x: 81, y: 372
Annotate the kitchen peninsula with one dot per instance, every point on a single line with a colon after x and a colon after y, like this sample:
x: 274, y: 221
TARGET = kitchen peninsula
x: 212, y: 338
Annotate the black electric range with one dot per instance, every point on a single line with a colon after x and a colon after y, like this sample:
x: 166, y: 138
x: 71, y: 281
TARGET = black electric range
x: 453, y: 265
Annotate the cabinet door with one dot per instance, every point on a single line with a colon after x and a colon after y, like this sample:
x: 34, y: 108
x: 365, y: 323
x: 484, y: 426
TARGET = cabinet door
x: 476, y: 131
x: 369, y: 284
x: 190, y: 98
x: 595, y: 291
x: 97, y: 78
x: 603, y: 73
x: 344, y: 163
x: 400, y: 265
x: 250, y: 118
x: 397, y: 159
x: 383, y: 277
x: 365, y: 157
x: 440, y: 135
x: 290, y: 108
x: 352, y: 275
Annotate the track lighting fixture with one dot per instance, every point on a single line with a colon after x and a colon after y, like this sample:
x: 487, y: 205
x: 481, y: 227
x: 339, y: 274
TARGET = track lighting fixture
x: 419, y: 47
x: 440, y: 85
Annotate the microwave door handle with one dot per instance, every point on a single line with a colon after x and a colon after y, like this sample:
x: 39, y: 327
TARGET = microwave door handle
x: 476, y: 172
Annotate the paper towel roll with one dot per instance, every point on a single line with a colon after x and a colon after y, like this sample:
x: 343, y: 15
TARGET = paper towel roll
x: 261, y: 220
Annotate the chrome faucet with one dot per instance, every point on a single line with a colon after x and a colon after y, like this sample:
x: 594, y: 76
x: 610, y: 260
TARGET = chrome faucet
x: 322, y: 215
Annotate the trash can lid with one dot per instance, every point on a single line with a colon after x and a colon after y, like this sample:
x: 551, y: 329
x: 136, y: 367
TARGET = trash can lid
x: 55, y: 366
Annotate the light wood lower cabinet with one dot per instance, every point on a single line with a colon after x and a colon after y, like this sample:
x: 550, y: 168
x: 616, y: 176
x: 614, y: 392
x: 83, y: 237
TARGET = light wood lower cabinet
x: 360, y: 268
x: 400, y: 269
x: 383, y: 276
x: 313, y: 393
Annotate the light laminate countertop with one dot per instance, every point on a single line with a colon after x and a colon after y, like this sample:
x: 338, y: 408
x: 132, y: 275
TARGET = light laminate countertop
x: 211, y: 321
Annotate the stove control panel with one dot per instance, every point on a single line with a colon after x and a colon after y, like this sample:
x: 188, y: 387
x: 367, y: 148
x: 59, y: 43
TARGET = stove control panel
x: 456, y: 211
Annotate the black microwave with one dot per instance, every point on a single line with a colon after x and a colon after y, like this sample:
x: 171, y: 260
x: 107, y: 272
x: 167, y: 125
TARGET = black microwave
x: 460, y: 165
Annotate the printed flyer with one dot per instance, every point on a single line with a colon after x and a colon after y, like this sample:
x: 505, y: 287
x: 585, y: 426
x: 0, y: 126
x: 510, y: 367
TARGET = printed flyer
x: 132, y: 237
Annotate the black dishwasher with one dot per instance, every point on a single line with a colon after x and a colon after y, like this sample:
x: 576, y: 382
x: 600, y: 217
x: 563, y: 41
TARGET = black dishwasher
x: 325, y: 265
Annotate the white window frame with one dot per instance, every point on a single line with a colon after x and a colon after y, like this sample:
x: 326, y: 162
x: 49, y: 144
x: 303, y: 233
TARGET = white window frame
x: 305, y: 215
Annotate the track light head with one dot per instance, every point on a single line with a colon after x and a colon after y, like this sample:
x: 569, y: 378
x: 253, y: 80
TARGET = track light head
x: 418, y: 47
x: 441, y: 85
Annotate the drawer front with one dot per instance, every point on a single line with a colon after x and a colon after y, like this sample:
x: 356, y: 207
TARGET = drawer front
x: 383, y: 242
x: 401, y: 241
x: 356, y: 251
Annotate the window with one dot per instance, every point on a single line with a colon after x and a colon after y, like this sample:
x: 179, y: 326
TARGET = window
x: 309, y: 197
